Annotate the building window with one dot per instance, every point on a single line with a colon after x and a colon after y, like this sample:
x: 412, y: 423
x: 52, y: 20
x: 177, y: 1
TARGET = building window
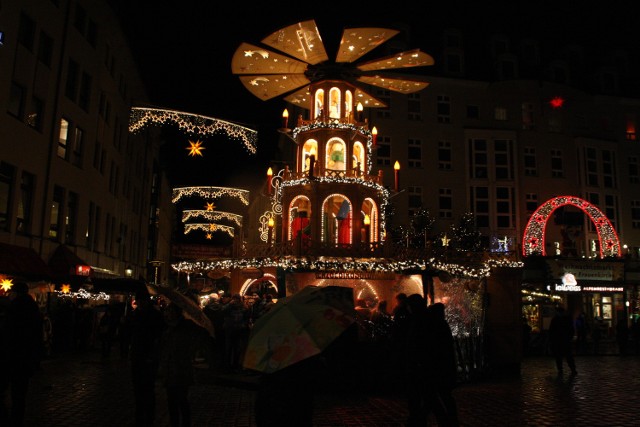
x: 479, y: 159
x: 609, y: 169
x: 63, y: 138
x: 414, y: 199
x: 414, y: 153
x: 503, y: 159
x: 85, y: 92
x: 530, y: 165
x: 71, y: 219
x: 25, y: 203
x: 445, y: 203
x: 26, y: 32
x: 383, y: 153
x: 384, y: 96
x: 36, y: 113
x: 444, y: 155
x: 78, y: 144
x: 556, y: 164
x: 611, y: 208
x: 414, y: 109
x: 7, y: 174
x: 45, y: 49
x: 71, y: 87
x: 444, y: 109
x: 500, y: 113
x: 635, y: 213
x: 630, y: 131
x: 634, y: 170
x: 16, y: 101
x: 531, y: 202
x: 527, y: 116
x: 592, y: 167
x: 505, y: 209
x: 480, y: 205
x: 473, y: 112
x: 56, y: 212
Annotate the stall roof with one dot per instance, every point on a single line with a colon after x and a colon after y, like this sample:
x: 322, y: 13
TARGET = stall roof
x: 22, y: 262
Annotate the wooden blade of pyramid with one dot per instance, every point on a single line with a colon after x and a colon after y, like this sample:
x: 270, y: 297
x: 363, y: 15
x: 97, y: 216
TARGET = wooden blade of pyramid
x: 251, y: 59
x: 271, y: 85
x: 408, y: 59
x: 301, y: 41
x: 367, y: 100
x: 357, y: 42
x: 401, y: 85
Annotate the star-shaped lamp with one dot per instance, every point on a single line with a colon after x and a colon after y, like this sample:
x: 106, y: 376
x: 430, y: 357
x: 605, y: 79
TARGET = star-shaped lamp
x: 195, y: 148
x: 210, y: 207
x: 6, y: 285
x: 66, y: 289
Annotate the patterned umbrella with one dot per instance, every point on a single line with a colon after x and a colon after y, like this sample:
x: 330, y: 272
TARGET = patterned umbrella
x: 298, y: 327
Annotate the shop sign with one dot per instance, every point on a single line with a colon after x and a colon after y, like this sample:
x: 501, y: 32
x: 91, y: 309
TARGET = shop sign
x: 83, y: 270
x: 587, y: 270
x: 603, y: 288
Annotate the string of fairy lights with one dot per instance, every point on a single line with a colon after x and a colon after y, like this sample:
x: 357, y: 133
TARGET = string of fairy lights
x: 210, y: 193
x: 193, y: 124
x: 210, y: 215
x: 208, y: 227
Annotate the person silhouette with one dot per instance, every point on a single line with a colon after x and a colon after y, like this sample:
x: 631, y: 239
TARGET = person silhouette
x: 147, y: 325
x: 177, y: 352
x: 561, y: 332
x: 22, y: 348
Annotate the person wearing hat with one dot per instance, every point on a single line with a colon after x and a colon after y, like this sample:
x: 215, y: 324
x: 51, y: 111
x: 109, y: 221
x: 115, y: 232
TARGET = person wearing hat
x: 22, y: 341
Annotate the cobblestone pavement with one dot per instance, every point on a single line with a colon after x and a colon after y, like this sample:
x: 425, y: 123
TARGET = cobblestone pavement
x: 83, y: 390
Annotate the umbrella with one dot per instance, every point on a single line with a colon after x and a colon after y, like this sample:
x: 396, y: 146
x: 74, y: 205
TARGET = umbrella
x: 190, y: 308
x: 299, y: 327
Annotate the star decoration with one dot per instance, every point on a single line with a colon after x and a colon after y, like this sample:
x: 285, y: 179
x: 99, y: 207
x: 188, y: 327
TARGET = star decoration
x: 66, y: 289
x: 6, y: 284
x: 212, y: 227
x: 209, y: 236
x: 195, y: 148
x: 210, y: 207
x: 445, y: 240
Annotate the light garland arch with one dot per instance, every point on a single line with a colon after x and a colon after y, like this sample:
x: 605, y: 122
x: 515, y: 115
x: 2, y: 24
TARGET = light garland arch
x: 211, y: 216
x: 193, y: 124
x: 533, y: 238
x: 210, y: 193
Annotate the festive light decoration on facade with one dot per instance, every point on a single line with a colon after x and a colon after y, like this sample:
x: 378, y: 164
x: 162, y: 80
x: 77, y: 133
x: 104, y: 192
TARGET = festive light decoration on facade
x: 211, y: 216
x: 533, y: 238
x: 193, y: 124
x: 210, y: 206
x: 195, y: 148
x: 210, y: 193
x: 6, y: 284
x: 188, y: 228
x: 65, y: 289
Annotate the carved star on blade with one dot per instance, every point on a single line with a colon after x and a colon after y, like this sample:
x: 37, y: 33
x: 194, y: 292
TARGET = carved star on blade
x: 195, y: 148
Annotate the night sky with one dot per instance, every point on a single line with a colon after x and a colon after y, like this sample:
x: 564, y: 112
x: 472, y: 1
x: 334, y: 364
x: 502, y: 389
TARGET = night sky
x: 184, y: 51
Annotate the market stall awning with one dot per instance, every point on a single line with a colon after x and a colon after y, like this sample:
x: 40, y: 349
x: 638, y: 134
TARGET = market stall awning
x: 118, y: 286
x: 22, y: 262
x: 65, y: 264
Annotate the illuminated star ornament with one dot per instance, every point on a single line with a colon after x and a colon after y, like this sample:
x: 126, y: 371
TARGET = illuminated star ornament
x: 210, y: 207
x: 6, y: 284
x: 208, y: 236
x: 66, y: 289
x: 195, y: 148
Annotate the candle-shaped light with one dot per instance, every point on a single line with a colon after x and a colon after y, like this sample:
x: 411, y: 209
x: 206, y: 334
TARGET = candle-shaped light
x: 271, y: 224
x: 359, y: 109
x: 367, y: 223
x: 285, y: 118
x: 269, y: 178
x: 396, y: 168
x: 374, y: 134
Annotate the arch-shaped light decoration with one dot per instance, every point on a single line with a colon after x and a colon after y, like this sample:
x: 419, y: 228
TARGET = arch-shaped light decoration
x: 210, y: 193
x: 276, y: 205
x: 211, y: 216
x: 533, y: 238
x: 193, y: 124
x: 208, y: 227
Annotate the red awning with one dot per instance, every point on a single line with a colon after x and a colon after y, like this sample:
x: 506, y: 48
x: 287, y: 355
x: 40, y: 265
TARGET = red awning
x: 22, y: 262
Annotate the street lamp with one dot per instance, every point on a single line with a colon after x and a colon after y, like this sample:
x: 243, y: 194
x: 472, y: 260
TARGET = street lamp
x: 128, y: 271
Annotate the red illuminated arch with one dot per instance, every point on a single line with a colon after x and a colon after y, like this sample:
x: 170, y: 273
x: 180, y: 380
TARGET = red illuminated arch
x: 533, y: 239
